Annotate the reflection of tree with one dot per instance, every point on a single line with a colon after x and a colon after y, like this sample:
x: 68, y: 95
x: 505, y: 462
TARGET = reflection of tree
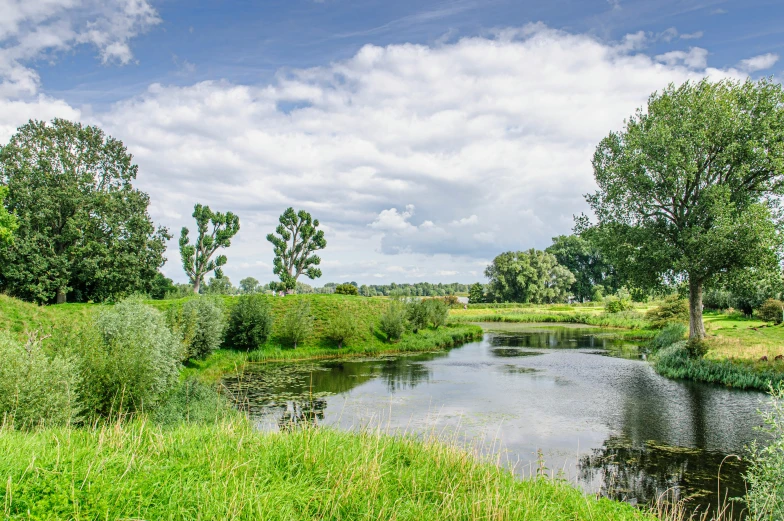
x: 555, y: 338
x: 647, y: 472
x: 301, y: 414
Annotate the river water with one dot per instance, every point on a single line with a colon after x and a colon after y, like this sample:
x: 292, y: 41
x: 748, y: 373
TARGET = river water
x: 568, y: 400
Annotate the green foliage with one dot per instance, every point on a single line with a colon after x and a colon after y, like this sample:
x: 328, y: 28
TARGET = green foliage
x: 672, y: 309
x: 161, y: 287
x: 297, y: 257
x: 35, y: 389
x: 583, y: 259
x: 614, y: 304
x: 230, y: 470
x: 250, y: 322
x: 192, y: 402
x: 437, y: 311
x: 84, y: 232
x: 249, y: 285
x: 597, y: 293
x: 197, y: 258
x: 531, y: 276
x: 296, y: 324
x: 393, y: 320
x: 672, y: 333
x: 342, y: 328
x: 418, y: 315
x: 687, y: 189
x: 130, y: 362
x: 219, y: 286
x: 771, y: 311
x: 765, y: 476
x: 346, y: 289
x: 8, y: 222
x: 200, y: 324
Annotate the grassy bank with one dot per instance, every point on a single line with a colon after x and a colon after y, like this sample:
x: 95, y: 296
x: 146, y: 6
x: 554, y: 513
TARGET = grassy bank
x: 230, y: 471
x: 550, y: 314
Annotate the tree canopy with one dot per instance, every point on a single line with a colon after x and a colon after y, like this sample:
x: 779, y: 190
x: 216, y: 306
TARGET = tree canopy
x: 687, y: 189
x: 83, y: 230
x: 8, y: 222
x: 197, y: 258
x: 532, y: 277
x: 295, y: 241
x: 587, y: 264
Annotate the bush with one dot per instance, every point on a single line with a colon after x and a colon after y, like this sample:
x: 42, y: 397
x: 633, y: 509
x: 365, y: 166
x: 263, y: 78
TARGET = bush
x: 437, y: 311
x: 771, y: 311
x: 451, y: 300
x: 765, y: 477
x: 343, y: 327
x: 418, y: 315
x: 192, y: 402
x: 613, y: 304
x: 296, y: 324
x: 672, y: 309
x: 346, y: 289
x: 250, y: 323
x: 200, y: 324
x: 672, y: 333
x: 35, y: 389
x: 131, y: 360
x: 393, y: 320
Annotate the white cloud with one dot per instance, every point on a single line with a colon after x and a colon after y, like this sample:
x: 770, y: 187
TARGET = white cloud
x: 32, y: 29
x: 692, y: 36
x: 425, y: 159
x: 758, y: 63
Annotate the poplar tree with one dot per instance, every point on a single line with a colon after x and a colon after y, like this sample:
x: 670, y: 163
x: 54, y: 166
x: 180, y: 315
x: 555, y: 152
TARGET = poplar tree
x: 214, y: 230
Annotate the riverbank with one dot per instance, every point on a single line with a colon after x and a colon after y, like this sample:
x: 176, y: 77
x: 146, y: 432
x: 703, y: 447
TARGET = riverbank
x: 231, y: 471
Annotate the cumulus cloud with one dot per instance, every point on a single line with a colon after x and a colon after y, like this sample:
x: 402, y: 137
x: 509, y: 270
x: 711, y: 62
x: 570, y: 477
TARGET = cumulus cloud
x: 33, y: 29
x: 758, y: 63
x: 418, y: 160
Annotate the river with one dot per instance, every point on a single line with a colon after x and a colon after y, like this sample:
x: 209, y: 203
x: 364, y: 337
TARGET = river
x: 566, y: 400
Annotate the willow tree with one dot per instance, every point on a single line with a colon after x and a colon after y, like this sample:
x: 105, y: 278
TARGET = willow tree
x: 214, y: 230
x: 688, y: 189
x: 295, y: 241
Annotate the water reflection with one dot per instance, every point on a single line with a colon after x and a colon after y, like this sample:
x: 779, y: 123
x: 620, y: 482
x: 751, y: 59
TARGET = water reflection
x: 576, y: 394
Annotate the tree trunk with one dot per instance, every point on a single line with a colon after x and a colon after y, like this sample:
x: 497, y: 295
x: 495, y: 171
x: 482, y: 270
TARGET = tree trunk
x: 696, y: 326
x: 60, y: 296
x: 196, y: 286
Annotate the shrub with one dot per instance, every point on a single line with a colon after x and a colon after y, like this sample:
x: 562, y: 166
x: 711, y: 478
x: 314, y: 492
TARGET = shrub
x: 343, y: 327
x: 250, y: 322
x: 613, y: 304
x: 765, y: 476
x: 771, y: 311
x: 393, y: 320
x: 437, y: 311
x: 200, y: 324
x: 672, y: 333
x: 130, y: 361
x: 192, y: 402
x: 451, y: 300
x: 673, y: 309
x: 35, y: 389
x: 418, y: 315
x: 296, y: 324
x: 346, y: 289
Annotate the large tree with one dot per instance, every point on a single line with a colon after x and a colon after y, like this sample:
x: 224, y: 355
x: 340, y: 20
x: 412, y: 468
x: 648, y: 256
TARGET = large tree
x: 214, y: 230
x: 687, y: 190
x: 532, y: 277
x: 589, y: 267
x: 84, y: 232
x: 295, y: 241
x: 8, y: 222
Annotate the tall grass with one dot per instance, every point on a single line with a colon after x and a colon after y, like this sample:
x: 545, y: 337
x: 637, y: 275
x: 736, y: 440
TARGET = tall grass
x: 629, y: 320
x: 230, y: 471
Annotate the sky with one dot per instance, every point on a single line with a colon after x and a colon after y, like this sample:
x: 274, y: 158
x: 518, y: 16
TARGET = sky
x: 426, y: 136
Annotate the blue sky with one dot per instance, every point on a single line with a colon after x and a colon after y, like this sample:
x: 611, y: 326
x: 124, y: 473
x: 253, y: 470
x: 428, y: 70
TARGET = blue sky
x: 428, y: 136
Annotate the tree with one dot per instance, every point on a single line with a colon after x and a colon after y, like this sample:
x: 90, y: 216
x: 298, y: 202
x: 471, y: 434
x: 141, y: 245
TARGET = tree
x: 250, y: 322
x: 476, y: 294
x: 346, y: 289
x: 196, y: 258
x: 219, y: 286
x: 342, y: 328
x: 249, y: 285
x: 294, y: 258
x: 583, y: 259
x: 84, y: 232
x: 688, y: 189
x: 532, y: 277
x: 8, y: 222
x: 161, y: 286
